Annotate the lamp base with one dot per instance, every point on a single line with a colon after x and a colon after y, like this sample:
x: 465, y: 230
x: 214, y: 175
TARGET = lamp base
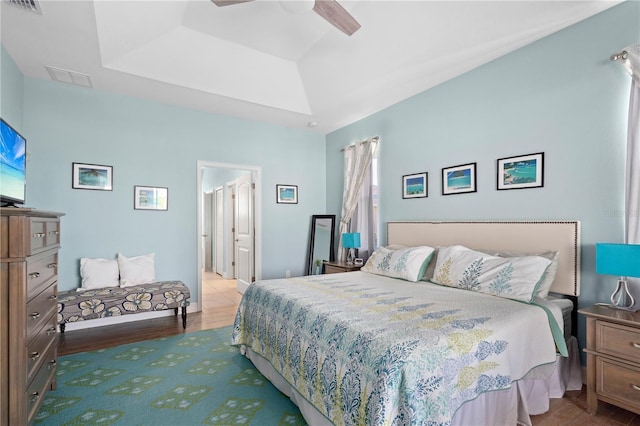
x: 621, y: 298
x: 350, y: 257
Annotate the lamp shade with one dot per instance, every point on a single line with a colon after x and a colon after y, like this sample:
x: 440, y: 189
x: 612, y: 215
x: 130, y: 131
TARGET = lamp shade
x: 618, y: 259
x: 351, y: 240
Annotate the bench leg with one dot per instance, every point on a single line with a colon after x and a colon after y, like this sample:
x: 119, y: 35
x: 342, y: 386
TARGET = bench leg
x: 184, y: 317
x: 62, y: 326
x: 176, y: 311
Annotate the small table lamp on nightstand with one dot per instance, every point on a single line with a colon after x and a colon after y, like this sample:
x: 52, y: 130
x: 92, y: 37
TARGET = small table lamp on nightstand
x: 622, y: 260
x: 351, y: 240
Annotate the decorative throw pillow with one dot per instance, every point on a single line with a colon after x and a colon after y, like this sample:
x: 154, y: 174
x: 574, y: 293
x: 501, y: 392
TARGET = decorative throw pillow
x: 550, y: 273
x: 408, y: 264
x: 137, y: 270
x: 515, y: 278
x: 98, y: 273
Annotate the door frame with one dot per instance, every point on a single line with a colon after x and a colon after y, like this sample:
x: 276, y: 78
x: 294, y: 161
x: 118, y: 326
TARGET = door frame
x: 257, y: 217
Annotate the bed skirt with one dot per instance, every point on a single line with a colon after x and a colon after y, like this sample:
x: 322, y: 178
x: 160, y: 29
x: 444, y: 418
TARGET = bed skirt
x: 509, y: 407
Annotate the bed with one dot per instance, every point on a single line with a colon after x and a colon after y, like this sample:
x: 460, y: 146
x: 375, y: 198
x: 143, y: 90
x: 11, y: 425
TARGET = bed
x: 364, y: 348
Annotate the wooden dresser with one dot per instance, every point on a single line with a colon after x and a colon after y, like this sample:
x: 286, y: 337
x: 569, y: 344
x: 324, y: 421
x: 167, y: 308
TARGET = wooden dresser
x: 29, y: 243
x: 613, y: 358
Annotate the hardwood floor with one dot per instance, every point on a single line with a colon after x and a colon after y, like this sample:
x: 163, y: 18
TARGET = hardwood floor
x: 220, y: 302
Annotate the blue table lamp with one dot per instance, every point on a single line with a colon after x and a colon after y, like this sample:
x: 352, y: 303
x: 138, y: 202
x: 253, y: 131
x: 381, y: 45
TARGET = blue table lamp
x: 351, y: 241
x: 622, y: 260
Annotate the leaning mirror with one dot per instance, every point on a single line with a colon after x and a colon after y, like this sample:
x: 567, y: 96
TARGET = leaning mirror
x: 321, y: 246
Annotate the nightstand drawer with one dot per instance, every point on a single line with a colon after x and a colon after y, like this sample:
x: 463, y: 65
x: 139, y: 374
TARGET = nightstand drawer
x: 618, y: 381
x: 619, y: 341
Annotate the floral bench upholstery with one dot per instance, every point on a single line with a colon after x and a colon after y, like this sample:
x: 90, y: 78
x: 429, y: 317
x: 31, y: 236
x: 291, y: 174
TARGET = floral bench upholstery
x: 76, y: 306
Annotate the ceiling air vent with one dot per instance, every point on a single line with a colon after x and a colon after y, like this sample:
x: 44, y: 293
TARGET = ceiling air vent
x: 29, y: 5
x: 66, y: 76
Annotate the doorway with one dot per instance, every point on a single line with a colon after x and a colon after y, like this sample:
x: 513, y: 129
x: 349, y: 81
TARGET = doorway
x: 218, y: 220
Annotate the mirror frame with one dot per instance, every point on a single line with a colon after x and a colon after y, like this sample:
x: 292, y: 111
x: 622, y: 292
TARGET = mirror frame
x: 313, y: 237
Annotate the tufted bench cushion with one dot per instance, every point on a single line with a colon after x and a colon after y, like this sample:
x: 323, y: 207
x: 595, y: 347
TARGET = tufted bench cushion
x: 113, y: 301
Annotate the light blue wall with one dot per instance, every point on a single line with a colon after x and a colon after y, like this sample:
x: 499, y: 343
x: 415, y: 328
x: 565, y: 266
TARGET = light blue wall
x: 153, y: 144
x: 560, y: 95
x: 11, y: 85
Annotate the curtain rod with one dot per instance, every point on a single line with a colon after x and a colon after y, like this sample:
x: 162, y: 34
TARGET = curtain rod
x: 620, y: 55
x: 375, y: 138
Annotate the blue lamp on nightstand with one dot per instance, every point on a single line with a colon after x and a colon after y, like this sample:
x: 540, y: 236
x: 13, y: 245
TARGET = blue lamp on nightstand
x: 351, y: 241
x: 622, y: 260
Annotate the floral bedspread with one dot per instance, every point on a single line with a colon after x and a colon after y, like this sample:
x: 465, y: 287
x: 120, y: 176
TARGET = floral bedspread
x: 111, y: 301
x: 367, y: 349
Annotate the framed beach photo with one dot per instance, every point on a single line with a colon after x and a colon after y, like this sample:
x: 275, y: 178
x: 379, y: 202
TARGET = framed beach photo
x: 150, y: 198
x: 92, y: 176
x: 459, y: 179
x: 524, y: 171
x: 415, y: 186
x: 287, y: 194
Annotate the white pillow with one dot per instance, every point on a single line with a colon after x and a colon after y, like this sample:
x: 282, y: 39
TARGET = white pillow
x: 515, y: 278
x: 137, y: 270
x: 408, y: 264
x: 550, y: 273
x: 98, y: 273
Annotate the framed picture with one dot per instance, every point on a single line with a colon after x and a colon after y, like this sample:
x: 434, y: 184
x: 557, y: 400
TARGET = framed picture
x: 524, y: 171
x: 287, y: 194
x: 415, y: 186
x: 459, y: 179
x: 150, y: 198
x: 92, y: 176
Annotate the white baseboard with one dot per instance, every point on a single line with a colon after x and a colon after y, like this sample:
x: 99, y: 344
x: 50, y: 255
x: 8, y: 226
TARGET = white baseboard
x: 241, y: 286
x: 101, y: 322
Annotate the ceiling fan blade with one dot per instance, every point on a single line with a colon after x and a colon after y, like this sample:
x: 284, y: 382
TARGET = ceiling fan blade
x: 228, y: 2
x: 336, y: 15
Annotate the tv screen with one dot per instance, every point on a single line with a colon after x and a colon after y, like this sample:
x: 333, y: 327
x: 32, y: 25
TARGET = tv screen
x: 13, y: 165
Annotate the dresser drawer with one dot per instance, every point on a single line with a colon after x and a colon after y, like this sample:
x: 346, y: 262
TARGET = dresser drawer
x: 40, y: 384
x: 41, y: 270
x: 44, y: 233
x: 40, y: 309
x: 618, y: 340
x: 618, y: 381
x: 41, y: 344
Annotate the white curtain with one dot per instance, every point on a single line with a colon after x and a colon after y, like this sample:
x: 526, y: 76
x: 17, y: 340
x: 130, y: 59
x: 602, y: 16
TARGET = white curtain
x: 362, y: 220
x: 357, y: 162
x: 632, y: 188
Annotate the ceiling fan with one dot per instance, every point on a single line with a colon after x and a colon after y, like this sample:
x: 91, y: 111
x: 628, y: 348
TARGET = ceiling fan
x: 330, y: 10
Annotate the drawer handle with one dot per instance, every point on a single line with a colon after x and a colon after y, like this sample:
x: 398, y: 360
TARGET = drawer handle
x: 39, y: 235
x: 54, y: 232
x: 54, y: 297
x: 35, y: 315
x: 34, y: 275
x: 635, y: 387
x: 51, y: 364
x: 51, y: 330
x: 34, y: 356
x: 636, y: 345
x: 35, y: 396
x: 52, y: 265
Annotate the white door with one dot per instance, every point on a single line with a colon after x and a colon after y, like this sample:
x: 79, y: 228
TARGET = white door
x: 219, y: 231
x: 244, y: 229
x: 208, y: 231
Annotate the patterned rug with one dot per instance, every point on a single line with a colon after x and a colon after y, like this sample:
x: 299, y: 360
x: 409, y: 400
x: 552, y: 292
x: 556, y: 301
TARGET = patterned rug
x: 190, y: 379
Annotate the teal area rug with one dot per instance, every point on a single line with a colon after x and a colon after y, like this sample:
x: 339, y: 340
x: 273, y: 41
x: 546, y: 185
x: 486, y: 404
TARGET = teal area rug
x: 191, y: 379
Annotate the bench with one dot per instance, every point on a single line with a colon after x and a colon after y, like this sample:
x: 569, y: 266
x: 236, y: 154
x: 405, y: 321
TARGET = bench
x: 106, y: 302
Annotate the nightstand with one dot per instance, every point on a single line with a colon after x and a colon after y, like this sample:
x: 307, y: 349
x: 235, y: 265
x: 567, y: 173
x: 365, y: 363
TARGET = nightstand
x: 613, y: 358
x: 336, y: 267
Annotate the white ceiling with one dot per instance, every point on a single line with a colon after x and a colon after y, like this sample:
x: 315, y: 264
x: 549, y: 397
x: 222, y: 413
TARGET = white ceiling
x: 257, y: 61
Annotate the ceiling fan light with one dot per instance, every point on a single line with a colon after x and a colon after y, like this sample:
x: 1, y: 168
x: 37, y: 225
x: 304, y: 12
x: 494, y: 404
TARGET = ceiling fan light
x: 297, y: 6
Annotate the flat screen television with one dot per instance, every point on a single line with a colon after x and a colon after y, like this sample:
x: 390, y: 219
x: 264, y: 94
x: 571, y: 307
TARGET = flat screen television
x: 13, y: 165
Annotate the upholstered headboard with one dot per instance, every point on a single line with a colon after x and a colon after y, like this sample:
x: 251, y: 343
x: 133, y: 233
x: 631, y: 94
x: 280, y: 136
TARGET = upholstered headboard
x: 525, y: 237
